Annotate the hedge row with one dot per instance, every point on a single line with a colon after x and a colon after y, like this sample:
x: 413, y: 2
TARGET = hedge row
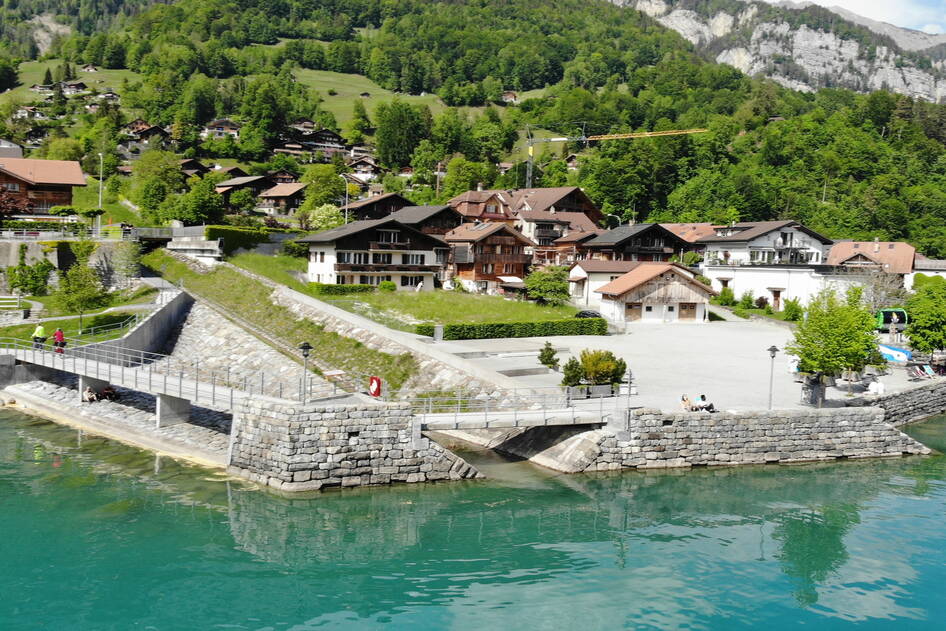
x: 43, y: 226
x: 327, y: 289
x: 542, y: 328
x: 235, y: 238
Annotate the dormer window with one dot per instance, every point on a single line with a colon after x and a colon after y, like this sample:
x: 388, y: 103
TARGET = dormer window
x: 388, y: 236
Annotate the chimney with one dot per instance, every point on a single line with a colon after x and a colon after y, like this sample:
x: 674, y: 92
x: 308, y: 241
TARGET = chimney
x: 479, y: 186
x: 876, y: 244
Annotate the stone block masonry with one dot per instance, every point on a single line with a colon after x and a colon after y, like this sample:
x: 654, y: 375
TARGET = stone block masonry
x: 295, y: 447
x: 905, y: 407
x: 651, y: 439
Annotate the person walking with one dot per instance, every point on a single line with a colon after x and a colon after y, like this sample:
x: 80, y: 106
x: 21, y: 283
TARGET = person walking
x: 59, y: 340
x: 39, y: 335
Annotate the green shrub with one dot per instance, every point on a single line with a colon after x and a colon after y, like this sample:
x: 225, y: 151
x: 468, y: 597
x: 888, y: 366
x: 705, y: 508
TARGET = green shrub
x: 761, y: 302
x: 746, y: 300
x: 792, y: 312
x: 235, y: 238
x: 704, y: 280
x: 572, y: 373
x: 542, y: 328
x: 43, y: 226
x: 767, y: 309
x: 31, y: 280
x: 327, y: 289
x: 739, y: 312
x: 387, y: 285
x: 547, y: 356
x: 726, y: 297
x: 294, y: 248
x: 602, y: 367
x: 715, y: 317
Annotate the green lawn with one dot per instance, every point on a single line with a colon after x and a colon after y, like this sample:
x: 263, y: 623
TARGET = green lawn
x: 71, y: 327
x: 31, y: 72
x: 88, y: 197
x: 142, y: 295
x: 250, y: 300
x: 278, y: 268
x: 403, y: 309
x: 348, y: 87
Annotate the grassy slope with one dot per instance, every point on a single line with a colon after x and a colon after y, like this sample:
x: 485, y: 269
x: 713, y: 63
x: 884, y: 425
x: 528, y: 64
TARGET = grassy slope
x: 348, y: 87
x: 32, y: 72
x: 140, y: 296
x: 88, y: 197
x: 398, y: 309
x: 70, y: 327
x: 249, y: 299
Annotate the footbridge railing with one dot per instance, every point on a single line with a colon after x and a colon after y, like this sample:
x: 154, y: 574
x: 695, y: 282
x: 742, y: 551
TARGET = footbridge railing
x: 156, y: 373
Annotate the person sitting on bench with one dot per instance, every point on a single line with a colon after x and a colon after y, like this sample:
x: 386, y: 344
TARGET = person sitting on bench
x: 703, y: 404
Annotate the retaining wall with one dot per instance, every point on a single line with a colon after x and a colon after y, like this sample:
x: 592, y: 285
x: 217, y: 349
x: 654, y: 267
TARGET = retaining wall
x: 308, y: 447
x: 152, y: 334
x: 650, y: 439
x: 912, y: 405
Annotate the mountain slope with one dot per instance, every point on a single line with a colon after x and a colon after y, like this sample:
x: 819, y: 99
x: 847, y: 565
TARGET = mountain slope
x: 806, y: 47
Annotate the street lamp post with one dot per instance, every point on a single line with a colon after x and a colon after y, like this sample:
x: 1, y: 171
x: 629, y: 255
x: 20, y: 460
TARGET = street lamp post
x: 772, y: 351
x: 346, y: 196
x: 98, y: 218
x: 306, y: 348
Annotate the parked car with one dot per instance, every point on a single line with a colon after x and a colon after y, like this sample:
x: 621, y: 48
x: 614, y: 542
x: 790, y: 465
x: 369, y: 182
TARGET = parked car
x: 587, y: 314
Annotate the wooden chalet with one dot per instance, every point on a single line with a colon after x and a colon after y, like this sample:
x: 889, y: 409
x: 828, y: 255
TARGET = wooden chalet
x: 637, y: 242
x: 221, y: 128
x: 483, y: 256
x: 283, y: 198
x: 484, y: 205
x: 43, y: 183
x: 192, y: 166
x: 376, y: 207
x: 429, y: 219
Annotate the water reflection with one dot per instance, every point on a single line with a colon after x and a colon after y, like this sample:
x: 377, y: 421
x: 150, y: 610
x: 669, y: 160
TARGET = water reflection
x: 832, y: 542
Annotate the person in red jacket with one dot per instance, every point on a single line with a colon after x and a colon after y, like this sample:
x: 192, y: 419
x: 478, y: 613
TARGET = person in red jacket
x: 59, y: 340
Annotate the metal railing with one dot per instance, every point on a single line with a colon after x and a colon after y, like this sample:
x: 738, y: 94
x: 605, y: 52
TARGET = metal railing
x: 129, y: 322
x: 159, y: 373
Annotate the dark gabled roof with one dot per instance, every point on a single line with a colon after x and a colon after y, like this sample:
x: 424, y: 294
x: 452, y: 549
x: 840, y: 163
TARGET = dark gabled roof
x: 372, y: 200
x: 752, y: 229
x: 244, y: 179
x: 619, y: 235
x: 330, y: 236
x: 416, y: 214
x: 606, y: 267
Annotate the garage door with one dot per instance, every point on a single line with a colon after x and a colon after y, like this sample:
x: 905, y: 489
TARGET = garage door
x: 687, y: 311
x: 632, y: 311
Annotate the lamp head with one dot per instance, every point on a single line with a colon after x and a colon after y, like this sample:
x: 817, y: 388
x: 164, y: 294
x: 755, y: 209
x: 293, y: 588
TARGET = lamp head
x: 305, y: 347
x: 772, y: 351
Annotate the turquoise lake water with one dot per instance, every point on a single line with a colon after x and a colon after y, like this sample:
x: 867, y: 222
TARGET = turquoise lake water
x: 96, y: 535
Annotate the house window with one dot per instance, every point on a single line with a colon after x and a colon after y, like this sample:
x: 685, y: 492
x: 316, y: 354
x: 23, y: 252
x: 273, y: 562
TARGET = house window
x: 382, y: 259
x: 321, y: 257
x: 388, y: 236
x: 648, y: 309
x: 487, y: 268
x: 491, y: 208
x: 613, y: 278
x: 13, y: 187
x: 507, y: 268
x: 413, y: 259
x: 373, y: 280
x: 411, y: 281
x: 499, y: 249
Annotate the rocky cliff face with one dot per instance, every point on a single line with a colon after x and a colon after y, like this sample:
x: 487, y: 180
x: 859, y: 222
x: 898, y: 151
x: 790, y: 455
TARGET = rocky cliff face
x: 806, y: 47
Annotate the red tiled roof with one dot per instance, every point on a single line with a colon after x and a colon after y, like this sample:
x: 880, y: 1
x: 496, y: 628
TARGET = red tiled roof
x: 646, y: 271
x: 66, y: 172
x: 896, y: 257
x: 690, y: 232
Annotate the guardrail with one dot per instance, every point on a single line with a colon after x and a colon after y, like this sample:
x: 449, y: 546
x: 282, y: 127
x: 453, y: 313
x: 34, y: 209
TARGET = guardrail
x: 11, y: 302
x: 128, y: 322
x: 210, y: 385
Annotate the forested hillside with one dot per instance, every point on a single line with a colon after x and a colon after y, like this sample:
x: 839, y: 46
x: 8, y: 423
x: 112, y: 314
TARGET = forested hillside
x: 850, y: 165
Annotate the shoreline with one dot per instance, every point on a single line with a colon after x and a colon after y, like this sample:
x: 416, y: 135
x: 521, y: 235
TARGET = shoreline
x: 30, y: 404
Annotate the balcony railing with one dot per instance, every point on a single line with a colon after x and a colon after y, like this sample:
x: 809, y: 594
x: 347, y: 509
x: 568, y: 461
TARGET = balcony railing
x: 385, y: 267
x: 386, y: 245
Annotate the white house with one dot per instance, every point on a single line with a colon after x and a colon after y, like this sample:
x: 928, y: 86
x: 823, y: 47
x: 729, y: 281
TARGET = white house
x: 925, y: 266
x: 778, y: 283
x: 586, y: 277
x: 373, y: 251
x: 655, y: 292
x: 764, y: 243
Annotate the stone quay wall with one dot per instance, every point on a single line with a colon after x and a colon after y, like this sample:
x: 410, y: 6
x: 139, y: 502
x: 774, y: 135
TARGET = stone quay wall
x: 307, y: 447
x: 911, y: 405
x: 651, y: 439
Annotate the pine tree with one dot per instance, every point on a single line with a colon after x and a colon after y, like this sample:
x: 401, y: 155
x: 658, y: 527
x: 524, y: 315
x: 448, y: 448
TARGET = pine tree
x: 547, y: 356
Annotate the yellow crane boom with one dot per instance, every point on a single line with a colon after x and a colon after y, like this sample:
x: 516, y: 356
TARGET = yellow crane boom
x: 640, y: 134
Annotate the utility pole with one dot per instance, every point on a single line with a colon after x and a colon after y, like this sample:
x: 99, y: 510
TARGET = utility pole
x: 529, y: 158
x: 98, y: 218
